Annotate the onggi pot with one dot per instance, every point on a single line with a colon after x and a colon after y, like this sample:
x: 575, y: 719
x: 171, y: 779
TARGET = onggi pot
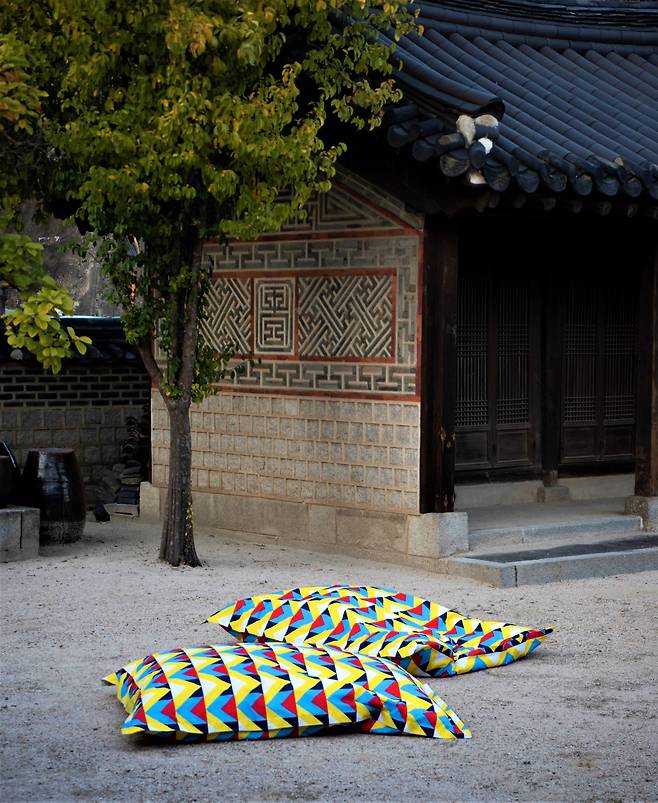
x: 53, y: 483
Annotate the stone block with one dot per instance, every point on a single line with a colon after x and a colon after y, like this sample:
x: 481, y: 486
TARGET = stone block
x: 92, y: 454
x: 499, y: 575
x: 252, y: 514
x: 600, y: 487
x: 19, y: 533
x: 647, y: 508
x: 322, y: 524
x: 122, y: 509
x: 74, y: 418
x: 437, y: 535
x: 149, y: 501
x: 371, y: 530
x: 553, y: 493
x: 32, y: 419
x: 498, y: 493
x: 578, y: 567
x: 9, y: 419
x: 93, y: 415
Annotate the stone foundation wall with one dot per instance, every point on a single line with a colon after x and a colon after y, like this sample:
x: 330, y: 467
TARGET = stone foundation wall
x: 412, y: 539
x: 362, y: 454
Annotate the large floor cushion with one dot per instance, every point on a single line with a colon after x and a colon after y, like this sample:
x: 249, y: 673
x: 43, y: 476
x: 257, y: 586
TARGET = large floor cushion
x: 421, y: 636
x: 265, y: 691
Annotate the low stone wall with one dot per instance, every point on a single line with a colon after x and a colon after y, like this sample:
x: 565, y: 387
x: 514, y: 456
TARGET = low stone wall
x: 83, y: 408
x: 398, y: 537
x: 95, y: 433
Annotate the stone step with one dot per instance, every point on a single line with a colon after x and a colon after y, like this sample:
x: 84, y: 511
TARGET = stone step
x: 592, y: 527
x: 551, y: 563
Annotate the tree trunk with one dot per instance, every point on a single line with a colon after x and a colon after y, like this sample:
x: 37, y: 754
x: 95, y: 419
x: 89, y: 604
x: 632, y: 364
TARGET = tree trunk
x: 177, y: 544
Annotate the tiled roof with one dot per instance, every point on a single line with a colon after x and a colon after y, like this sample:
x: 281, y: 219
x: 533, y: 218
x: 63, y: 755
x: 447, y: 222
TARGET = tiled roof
x: 108, y: 342
x: 518, y: 94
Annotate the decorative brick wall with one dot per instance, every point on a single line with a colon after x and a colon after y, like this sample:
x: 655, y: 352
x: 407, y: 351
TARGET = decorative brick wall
x: 84, y: 408
x: 330, y: 415
x: 329, y: 305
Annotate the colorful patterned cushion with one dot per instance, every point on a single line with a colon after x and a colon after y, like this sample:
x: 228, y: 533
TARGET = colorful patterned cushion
x: 424, y: 638
x: 266, y: 691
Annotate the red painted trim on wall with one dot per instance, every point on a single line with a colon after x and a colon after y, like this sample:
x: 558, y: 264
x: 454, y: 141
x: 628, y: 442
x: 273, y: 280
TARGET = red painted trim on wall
x: 351, y: 395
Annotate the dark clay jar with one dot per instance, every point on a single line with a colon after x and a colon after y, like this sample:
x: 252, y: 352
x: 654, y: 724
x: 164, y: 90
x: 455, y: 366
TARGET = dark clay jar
x: 53, y: 483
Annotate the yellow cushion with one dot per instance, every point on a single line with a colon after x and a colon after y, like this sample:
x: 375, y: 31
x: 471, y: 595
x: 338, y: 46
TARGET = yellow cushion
x: 265, y: 691
x: 421, y: 636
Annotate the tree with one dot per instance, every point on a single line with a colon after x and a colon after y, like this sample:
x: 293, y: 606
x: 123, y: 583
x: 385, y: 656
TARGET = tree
x: 36, y: 324
x: 172, y: 122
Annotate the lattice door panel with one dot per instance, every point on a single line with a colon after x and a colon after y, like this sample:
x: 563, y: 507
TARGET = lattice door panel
x: 497, y: 342
x: 598, y: 371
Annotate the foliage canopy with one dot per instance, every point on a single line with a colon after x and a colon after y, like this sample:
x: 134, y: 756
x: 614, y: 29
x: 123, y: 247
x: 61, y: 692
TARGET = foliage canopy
x: 36, y: 324
x: 169, y: 122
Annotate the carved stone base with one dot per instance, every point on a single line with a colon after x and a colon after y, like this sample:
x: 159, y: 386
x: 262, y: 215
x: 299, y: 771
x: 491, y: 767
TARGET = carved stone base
x: 647, y: 508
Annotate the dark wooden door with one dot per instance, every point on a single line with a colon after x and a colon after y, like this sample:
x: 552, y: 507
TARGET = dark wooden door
x: 599, y: 332
x: 498, y: 371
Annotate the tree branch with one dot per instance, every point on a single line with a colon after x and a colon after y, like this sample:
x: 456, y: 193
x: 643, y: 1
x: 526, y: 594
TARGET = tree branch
x: 144, y: 346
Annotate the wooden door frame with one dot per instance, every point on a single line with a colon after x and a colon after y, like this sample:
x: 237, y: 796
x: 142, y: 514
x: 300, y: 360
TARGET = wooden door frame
x: 439, y: 360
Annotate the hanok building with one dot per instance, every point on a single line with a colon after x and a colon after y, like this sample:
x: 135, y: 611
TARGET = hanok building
x: 470, y: 315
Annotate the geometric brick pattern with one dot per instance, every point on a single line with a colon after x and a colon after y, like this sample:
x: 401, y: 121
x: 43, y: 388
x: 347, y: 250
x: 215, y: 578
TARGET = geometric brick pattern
x: 343, y: 451
x: 355, y: 300
x: 274, y: 313
x: 345, y: 316
x: 331, y: 376
x: 228, y: 314
x: 324, y: 255
x: 337, y: 210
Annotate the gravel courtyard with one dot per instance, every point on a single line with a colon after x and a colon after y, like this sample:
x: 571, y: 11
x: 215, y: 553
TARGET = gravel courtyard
x: 575, y: 721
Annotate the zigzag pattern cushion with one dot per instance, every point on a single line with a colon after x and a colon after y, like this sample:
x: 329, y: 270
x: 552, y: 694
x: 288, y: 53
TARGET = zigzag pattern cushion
x: 422, y: 637
x: 266, y: 691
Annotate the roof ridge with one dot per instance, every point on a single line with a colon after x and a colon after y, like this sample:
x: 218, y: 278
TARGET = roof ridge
x: 609, y: 14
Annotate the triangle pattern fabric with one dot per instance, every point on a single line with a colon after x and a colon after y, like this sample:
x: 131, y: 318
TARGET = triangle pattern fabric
x: 422, y: 637
x: 266, y: 691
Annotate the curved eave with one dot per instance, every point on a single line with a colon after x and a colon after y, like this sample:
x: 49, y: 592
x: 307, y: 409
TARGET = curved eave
x: 529, y: 104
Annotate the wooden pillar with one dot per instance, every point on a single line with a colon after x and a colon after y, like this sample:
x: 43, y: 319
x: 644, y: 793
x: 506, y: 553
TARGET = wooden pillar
x: 439, y: 366
x: 646, y: 432
x: 552, y: 384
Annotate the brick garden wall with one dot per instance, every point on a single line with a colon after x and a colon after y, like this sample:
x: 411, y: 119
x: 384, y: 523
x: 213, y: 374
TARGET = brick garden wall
x: 83, y: 408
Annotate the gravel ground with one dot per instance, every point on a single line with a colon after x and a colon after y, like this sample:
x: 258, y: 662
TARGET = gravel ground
x: 575, y: 721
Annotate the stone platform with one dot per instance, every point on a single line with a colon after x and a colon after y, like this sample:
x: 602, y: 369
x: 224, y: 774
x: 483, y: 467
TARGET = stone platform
x: 19, y: 533
x: 515, y: 545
